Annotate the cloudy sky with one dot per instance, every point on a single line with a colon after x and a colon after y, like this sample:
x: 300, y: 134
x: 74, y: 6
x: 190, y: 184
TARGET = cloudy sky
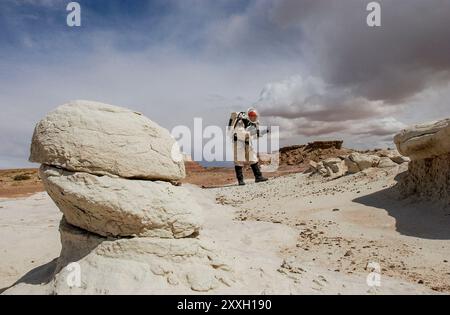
x: 313, y: 67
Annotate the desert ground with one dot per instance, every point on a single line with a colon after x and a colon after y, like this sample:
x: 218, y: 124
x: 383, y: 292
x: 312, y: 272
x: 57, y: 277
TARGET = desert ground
x: 19, y: 182
x: 305, y: 233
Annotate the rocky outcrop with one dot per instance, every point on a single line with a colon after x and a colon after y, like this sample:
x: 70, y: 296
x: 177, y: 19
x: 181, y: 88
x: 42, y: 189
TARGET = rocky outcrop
x: 356, y: 162
x: 393, y: 155
x: 352, y: 167
x: 428, y: 179
x: 428, y: 147
x: 335, y: 144
x: 335, y: 167
x: 300, y: 155
x: 424, y: 141
x: 331, y: 167
x: 97, y: 138
x: 386, y: 162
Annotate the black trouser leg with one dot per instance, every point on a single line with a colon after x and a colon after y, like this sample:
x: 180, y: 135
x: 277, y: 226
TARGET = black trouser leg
x: 257, y: 172
x: 239, y: 174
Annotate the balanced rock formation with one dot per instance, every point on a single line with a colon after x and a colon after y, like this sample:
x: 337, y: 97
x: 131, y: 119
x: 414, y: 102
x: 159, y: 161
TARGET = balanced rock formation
x: 428, y: 147
x: 92, y: 153
x: 126, y: 224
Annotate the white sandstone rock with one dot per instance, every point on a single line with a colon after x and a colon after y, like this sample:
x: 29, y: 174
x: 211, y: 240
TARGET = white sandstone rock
x: 122, y: 207
x: 335, y: 167
x: 364, y: 161
x: 352, y: 167
x: 97, y: 138
x: 386, y: 162
x: 426, y: 140
x: 394, y: 155
x: 321, y: 169
x: 400, y: 159
x: 313, y: 167
x: 139, y: 265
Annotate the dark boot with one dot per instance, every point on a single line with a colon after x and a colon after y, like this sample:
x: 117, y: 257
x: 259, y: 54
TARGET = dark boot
x: 239, y: 175
x: 257, y: 172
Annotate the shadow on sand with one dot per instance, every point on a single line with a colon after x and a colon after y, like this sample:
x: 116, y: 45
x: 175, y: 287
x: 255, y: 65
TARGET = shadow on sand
x: 39, y: 275
x: 76, y: 245
x: 413, y: 218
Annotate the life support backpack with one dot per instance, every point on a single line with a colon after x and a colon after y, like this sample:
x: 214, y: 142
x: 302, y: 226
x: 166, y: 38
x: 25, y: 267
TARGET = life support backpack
x: 234, y: 118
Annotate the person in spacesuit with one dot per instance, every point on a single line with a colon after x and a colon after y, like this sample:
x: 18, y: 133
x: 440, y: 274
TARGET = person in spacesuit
x: 245, y: 128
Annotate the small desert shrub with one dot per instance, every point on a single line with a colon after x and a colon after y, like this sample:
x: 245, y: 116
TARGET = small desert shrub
x: 22, y: 177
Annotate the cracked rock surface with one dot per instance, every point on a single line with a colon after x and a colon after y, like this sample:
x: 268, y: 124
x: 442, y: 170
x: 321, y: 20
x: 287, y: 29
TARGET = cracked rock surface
x: 111, y: 206
x: 97, y: 138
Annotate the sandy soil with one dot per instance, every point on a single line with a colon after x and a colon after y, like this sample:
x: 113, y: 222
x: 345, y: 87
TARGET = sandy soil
x: 213, y: 177
x: 308, y: 234
x: 344, y: 224
x: 29, y: 235
x: 19, y: 182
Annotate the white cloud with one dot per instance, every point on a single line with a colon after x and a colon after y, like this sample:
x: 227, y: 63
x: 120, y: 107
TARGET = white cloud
x: 308, y: 109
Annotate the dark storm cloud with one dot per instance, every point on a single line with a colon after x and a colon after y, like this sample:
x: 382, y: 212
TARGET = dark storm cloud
x: 311, y: 128
x: 328, y: 107
x: 408, y: 53
x: 360, y: 74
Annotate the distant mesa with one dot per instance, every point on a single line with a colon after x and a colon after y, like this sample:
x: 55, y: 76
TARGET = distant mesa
x: 336, y: 144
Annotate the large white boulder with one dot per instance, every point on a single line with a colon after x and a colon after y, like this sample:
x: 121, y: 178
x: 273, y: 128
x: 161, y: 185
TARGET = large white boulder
x: 97, y: 138
x: 111, y: 206
x: 426, y: 140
